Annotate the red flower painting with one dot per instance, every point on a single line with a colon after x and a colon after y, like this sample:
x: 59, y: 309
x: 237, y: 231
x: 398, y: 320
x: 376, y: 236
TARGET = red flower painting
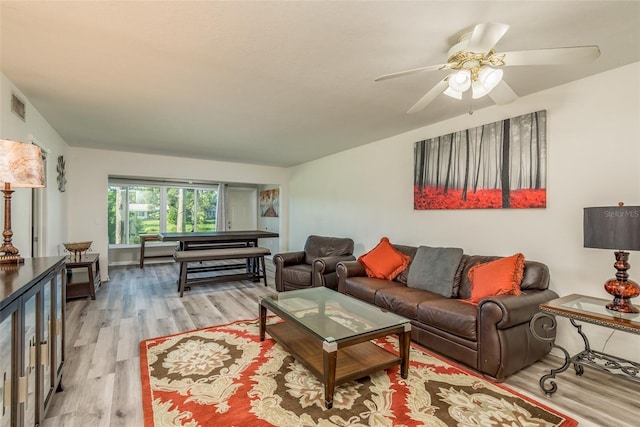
x: 494, y: 166
x: 432, y: 198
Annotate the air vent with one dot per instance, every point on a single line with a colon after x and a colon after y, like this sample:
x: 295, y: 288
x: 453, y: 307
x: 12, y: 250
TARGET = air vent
x: 17, y: 106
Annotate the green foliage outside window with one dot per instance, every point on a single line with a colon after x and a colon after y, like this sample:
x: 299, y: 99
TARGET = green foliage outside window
x: 187, y: 209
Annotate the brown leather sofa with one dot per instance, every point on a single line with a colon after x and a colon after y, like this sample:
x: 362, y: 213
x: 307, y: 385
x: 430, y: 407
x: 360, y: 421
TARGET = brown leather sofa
x: 492, y: 337
x: 314, y: 266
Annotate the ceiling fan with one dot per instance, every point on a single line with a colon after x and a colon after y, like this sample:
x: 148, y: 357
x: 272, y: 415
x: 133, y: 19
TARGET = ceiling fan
x: 477, y: 66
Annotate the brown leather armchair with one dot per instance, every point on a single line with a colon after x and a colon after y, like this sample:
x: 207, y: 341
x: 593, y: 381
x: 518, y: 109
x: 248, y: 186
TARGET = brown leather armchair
x: 315, y: 265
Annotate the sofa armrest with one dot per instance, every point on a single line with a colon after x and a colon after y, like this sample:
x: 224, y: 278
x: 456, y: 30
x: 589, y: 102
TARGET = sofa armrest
x: 283, y: 260
x: 324, y: 270
x: 346, y: 269
x: 506, y: 311
x: 505, y: 340
x: 288, y: 258
x: 350, y: 269
x: 328, y: 264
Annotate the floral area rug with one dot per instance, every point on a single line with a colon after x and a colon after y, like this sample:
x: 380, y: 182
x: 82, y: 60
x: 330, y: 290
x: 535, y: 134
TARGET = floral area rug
x: 224, y: 376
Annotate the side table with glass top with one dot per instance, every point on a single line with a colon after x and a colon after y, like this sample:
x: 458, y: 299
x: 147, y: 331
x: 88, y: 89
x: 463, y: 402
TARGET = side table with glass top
x: 330, y: 334
x: 586, y: 309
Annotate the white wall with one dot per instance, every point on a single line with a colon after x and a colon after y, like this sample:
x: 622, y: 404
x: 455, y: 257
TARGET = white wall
x: 593, y: 129
x: 35, y: 127
x: 88, y: 172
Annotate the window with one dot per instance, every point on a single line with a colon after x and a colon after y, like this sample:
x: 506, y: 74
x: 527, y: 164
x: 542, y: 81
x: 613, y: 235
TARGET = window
x: 135, y: 209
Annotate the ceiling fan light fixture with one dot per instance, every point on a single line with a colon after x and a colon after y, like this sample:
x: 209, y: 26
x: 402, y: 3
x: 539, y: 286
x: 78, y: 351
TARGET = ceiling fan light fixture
x: 453, y: 93
x: 489, y: 77
x: 478, y: 90
x: 460, y: 81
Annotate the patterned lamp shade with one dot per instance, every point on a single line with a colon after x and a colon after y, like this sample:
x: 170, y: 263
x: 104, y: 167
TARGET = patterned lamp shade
x: 21, y: 164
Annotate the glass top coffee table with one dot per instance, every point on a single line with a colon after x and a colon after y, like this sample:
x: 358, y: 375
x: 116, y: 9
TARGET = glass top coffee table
x: 330, y: 334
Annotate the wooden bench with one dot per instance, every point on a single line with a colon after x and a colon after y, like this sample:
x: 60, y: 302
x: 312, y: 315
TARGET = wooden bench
x: 255, y: 266
x: 144, y: 238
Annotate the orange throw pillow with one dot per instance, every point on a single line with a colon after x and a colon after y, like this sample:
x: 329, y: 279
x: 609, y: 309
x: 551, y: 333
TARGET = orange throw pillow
x: 499, y: 277
x: 384, y: 261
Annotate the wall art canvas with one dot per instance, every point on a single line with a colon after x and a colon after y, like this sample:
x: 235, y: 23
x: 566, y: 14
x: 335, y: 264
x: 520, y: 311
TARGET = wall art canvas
x: 497, y: 165
x: 270, y: 202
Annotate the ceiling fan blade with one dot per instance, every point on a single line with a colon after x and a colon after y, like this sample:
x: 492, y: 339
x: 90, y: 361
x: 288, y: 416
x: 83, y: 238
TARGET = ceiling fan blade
x: 485, y: 37
x: 408, y: 72
x: 503, y: 94
x: 562, y: 55
x: 430, y: 96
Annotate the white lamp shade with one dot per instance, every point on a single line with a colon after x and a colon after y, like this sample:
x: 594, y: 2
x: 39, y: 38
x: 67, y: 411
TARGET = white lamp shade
x: 478, y: 90
x: 490, y: 77
x: 460, y: 81
x: 21, y: 164
x: 453, y: 93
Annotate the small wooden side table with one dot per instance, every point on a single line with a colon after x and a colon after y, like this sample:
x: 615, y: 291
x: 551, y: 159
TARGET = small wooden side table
x: 587, y: 309
x: 83, y: 275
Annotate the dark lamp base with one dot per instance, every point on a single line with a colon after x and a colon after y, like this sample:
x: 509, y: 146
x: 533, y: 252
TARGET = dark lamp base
x: 622, y: 305
x: 621, y: 287
x: 622, y: 293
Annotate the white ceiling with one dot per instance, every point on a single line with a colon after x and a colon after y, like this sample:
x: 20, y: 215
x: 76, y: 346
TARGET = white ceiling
x: 274, y: 83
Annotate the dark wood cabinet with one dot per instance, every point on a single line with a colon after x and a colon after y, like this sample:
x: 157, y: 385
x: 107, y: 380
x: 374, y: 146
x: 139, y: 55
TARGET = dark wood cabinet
x: 32, y: 306
x: 8, y: 362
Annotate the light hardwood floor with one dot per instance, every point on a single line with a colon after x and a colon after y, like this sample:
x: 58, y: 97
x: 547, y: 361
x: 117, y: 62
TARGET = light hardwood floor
x: 101, y: 376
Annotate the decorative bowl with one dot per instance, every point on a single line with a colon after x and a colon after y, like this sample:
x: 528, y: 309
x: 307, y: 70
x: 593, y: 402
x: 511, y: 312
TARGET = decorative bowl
x: 76, y: 247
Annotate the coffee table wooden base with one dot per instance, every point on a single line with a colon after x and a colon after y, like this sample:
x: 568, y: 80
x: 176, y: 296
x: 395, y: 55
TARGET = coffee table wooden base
x: 337, y: 363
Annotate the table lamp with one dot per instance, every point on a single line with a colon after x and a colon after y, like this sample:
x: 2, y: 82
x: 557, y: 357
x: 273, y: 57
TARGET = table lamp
x: 20, y: 166
x: 616, y: 227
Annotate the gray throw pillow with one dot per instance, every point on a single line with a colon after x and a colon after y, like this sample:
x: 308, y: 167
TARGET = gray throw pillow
x: 433, y: 269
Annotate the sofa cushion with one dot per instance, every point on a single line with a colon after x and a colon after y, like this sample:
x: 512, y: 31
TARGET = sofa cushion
x: 457, y: 279
x: 365, y: 288
x: 323, y: 246
x: 403, y: 300
x: 535, y: 276
x: 452, y: 315
x: 299, y: 274
x: 411, y: 252
x: 384, y: 261
x: 468, y: 261
x: 499, y: 277
x: 434, y: 269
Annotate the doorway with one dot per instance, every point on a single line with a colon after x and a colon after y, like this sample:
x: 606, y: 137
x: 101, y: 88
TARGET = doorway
x: 242, y: 208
